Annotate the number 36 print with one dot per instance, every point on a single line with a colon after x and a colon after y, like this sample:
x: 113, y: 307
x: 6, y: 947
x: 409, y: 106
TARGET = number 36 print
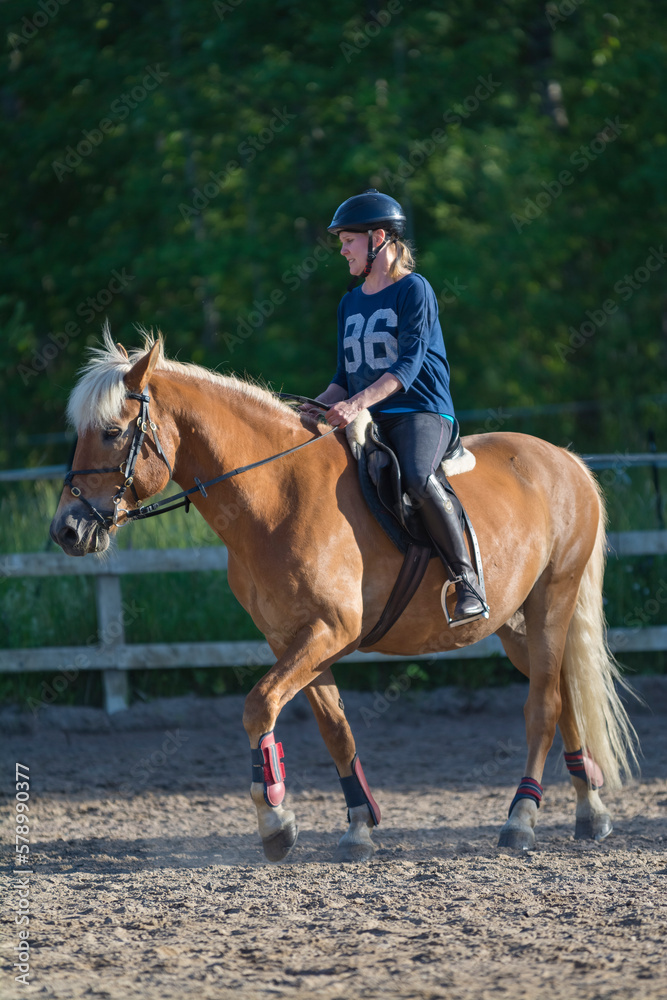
x: 371, y: 341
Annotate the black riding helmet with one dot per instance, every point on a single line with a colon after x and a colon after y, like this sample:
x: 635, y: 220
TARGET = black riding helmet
x: 364, y: 213
x: 370, y: 210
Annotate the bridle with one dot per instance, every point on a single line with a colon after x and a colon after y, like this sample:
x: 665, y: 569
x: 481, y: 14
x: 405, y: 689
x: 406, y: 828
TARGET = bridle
x: 127, y: 469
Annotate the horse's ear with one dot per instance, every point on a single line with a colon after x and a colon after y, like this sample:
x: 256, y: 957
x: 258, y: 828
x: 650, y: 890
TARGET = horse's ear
x: 122, y: 350
x: 137, y: 378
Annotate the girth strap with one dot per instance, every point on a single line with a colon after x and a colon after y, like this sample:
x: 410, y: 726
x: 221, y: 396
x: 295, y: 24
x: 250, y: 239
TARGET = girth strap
x: 410, y: 576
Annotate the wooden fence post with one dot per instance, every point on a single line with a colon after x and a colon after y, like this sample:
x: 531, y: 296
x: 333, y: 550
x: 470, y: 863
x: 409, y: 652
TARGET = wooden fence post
x: 111, y: 631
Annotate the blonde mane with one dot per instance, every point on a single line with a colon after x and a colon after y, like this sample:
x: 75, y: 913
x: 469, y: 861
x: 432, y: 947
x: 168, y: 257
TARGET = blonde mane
x: 99, y: 395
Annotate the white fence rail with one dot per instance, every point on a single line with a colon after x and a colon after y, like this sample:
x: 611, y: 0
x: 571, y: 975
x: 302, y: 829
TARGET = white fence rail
x: 114, y: 657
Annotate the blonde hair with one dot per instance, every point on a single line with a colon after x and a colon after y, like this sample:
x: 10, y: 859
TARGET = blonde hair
x: 403, y: 262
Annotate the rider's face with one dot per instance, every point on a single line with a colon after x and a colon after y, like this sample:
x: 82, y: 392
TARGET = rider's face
x: 355, y: 250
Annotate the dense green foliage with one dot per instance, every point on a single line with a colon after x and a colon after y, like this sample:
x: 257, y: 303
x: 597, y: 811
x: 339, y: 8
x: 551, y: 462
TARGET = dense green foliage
x: 176, y: 163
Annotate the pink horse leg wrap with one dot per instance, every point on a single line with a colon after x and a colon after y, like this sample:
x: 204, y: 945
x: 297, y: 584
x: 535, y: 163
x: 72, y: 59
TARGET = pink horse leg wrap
x: 357, y: 793
x: 581, y: 765
x: 273, y: 769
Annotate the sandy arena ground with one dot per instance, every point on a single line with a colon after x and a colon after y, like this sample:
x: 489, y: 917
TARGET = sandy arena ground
x: 149, y: 881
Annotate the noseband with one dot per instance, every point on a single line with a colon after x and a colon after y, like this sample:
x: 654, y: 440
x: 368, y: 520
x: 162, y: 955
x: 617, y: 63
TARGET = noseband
x: 127, y: 468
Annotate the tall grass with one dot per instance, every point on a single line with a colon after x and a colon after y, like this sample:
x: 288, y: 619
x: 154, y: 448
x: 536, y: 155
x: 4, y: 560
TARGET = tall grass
x: 179, y: 607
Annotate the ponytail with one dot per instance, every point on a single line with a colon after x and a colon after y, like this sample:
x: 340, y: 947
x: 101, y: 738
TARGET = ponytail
x: 403, y: 262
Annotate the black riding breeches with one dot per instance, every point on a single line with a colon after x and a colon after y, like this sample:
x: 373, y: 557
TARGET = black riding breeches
x: 419, y: 440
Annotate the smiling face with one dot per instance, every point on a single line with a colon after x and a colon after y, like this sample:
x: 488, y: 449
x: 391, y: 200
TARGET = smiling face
x: 354, y: 248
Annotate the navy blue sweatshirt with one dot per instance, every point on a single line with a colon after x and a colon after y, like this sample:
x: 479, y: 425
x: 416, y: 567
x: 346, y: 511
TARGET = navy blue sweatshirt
x: 396, y: 330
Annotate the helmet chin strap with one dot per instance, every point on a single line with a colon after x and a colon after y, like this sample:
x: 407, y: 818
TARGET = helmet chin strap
x: 372, y: 254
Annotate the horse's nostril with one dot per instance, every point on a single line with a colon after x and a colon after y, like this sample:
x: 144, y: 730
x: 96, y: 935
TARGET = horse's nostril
x: 67, y: 535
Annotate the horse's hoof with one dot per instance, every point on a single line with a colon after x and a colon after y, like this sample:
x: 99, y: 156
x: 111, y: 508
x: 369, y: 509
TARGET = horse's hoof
x: 517, y: 838
x: 354, y: 853
x: 356, y: 844
x: 279, y: 845
x: 595, y: 827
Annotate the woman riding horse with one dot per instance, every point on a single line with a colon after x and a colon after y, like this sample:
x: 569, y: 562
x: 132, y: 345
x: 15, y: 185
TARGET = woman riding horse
x: 314, y: 569
x: 392, y: 361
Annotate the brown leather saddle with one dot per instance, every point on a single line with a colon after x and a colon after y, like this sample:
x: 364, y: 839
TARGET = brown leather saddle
x: 381, y: 484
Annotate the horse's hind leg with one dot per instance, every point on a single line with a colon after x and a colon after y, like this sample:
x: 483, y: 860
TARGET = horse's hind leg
x: 363, y: 813
x: 518, y: 829
x: 547, y: 611
x: 592, y: 819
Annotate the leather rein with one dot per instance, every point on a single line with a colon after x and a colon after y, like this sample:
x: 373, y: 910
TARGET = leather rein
x: 127, y: 469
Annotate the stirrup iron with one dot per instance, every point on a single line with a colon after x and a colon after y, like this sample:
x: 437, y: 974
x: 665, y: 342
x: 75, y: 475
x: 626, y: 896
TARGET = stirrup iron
x: 453, y: 622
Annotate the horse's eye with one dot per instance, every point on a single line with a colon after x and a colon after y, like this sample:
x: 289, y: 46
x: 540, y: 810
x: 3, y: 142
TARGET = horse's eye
x: 112, y: 432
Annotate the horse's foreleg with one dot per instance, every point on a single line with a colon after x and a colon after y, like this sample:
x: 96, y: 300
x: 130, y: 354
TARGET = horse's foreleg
x: 277, y: 824
x: 310, y: 651
x: 362, y: 810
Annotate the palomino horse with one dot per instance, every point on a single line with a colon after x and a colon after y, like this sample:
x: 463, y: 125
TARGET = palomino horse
x: 314, y: 570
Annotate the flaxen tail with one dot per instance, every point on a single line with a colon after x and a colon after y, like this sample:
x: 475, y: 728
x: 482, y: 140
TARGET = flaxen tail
x: 591, y: 674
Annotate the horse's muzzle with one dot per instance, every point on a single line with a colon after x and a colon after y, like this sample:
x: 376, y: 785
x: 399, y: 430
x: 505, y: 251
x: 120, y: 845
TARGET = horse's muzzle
x: 77, y: 532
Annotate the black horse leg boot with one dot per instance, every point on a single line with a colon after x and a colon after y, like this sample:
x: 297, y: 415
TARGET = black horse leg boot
x: 440, y: 514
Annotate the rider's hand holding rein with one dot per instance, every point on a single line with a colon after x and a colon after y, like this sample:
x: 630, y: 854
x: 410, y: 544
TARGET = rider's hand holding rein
x: 343, y: 413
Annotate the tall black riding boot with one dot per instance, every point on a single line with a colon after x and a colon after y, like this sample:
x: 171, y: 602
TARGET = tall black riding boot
x: 441, y: 516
